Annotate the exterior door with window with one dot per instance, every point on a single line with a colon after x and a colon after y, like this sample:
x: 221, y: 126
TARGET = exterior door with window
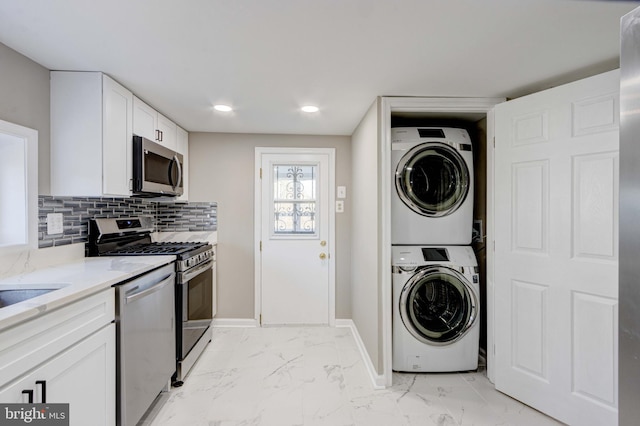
x: 295, y: 256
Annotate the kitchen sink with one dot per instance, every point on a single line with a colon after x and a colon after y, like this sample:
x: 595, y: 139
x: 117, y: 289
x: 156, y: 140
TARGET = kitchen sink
x: 12, y: 294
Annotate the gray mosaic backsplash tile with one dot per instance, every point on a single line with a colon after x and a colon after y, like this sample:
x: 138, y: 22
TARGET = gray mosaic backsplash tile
x: 77, y: 211
x: 186, y: 216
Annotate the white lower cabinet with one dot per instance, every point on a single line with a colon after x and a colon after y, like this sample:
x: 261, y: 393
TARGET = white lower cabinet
x: 65, y: 356
x: 83, y: 376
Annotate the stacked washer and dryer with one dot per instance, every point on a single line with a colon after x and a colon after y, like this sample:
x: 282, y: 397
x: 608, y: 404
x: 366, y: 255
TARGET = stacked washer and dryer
x: 436, y: 291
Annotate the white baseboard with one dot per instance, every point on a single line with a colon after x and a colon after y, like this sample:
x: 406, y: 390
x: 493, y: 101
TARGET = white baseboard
x: 377, y: 380
x: 234, y: 322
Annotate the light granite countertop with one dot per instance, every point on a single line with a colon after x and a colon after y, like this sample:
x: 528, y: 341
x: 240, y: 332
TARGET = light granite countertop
x: 77, y: 279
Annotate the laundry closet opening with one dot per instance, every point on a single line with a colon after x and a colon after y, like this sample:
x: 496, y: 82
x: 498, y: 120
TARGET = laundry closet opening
x: 476, y: 126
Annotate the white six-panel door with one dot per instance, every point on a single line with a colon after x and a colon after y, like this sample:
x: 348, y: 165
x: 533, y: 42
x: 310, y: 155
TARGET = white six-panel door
x: 556, y: 250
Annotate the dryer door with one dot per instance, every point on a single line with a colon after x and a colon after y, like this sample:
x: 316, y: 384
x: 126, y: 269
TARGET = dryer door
x: 438, y: 306
x: 432, y: 179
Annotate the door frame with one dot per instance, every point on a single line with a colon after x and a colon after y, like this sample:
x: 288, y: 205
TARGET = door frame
x: 257, y: 222
x: 427, y: 105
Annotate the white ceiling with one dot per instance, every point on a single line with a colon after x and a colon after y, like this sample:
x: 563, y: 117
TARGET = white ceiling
x: 269, y: 57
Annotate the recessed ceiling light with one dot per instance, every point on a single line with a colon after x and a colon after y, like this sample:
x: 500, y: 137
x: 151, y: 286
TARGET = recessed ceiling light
x: 222, y: 108
x: 310, y: 108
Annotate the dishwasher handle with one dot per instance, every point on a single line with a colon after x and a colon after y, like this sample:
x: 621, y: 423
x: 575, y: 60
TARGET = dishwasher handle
x: 130, y: 298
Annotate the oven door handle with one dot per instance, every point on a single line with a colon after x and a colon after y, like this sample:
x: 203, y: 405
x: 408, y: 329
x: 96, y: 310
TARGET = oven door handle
x: 189, y: 275
x: 130, y: 298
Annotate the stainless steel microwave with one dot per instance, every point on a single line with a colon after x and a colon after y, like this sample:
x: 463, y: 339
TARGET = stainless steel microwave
x: 157, y: 170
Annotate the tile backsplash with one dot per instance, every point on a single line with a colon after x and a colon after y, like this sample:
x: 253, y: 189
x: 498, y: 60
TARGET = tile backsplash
x: 76, y: 211
x: 176, y: 217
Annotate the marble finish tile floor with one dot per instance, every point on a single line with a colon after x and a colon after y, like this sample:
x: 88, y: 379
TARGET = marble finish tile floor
x: 315, y: 376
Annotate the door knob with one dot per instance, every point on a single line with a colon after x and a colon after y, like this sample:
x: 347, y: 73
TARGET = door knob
x: 323, y: 256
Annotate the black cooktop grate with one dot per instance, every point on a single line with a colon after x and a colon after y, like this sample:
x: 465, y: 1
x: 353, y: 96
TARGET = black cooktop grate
x: 156, y: 248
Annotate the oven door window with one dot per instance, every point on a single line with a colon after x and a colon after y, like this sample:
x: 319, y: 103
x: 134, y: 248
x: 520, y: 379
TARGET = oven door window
x: 200, y: 297
x: 197, y: 310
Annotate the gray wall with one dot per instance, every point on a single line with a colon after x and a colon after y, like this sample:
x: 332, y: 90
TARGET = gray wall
x: 221, y: 168
x: 24, y: 100
x: 365, y: 278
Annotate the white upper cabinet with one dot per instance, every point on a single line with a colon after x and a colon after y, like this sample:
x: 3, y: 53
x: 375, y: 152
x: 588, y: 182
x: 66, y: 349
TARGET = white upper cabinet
x: 167, y: 131
x: 117, y: 138
x: 91, y: 135
x: 150, y: 124
x: 93, y: 120
x: 144, y: 120
x: 182, y: 145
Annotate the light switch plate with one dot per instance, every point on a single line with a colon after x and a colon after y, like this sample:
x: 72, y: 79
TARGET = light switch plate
x: 54, y: 223
x: 339, y: 206
x: 342, y: 192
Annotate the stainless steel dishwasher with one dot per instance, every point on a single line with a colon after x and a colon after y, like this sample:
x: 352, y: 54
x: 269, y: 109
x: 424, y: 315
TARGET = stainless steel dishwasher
x: 146, y: 342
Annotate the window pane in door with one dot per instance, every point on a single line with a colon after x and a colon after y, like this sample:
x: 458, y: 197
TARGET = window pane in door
x: 294, y: 199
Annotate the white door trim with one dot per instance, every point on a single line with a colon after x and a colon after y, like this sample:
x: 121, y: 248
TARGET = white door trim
x: 257, y: 222
x: 490, y: 245
x: 436, y: 105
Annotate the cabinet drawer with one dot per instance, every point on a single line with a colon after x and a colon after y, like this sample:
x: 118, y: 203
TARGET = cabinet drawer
x: 28, y: 344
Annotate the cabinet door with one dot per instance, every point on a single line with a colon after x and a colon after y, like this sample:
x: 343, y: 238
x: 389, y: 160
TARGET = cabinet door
x: 76, y: 133
x: 182, y: 147
x: 117, y: 138
x: 167, y: 129
x: 82, y: 376
x: 144, y: 120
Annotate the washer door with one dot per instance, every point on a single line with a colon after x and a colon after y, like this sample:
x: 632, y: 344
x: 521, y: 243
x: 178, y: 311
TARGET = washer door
x: 432, y: 179
x: 437, y: 305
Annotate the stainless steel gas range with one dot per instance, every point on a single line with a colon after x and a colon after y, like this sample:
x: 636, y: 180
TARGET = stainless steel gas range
x: 194, y: 287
